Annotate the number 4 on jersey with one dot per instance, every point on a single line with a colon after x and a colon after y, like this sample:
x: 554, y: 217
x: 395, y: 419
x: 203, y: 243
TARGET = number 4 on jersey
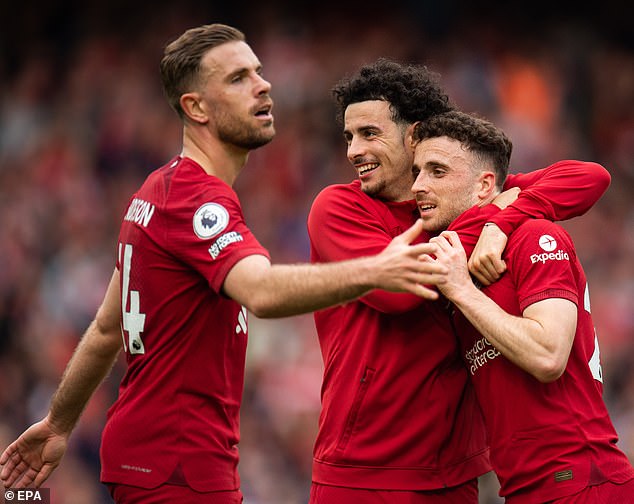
x: 595, y: 361
x: 133, y: 319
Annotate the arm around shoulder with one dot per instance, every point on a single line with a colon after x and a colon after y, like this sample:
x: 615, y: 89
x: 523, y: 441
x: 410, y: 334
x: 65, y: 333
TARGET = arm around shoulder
x: 559, y: 192
x: 284, y: 290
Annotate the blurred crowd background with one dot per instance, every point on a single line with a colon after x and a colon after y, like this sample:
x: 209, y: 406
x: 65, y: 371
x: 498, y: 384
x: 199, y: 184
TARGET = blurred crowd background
x: 83, y: 121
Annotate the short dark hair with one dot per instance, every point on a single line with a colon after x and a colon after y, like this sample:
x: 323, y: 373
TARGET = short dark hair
x: 180, y: 66
x: 476, y: 134
x: 413, y: 91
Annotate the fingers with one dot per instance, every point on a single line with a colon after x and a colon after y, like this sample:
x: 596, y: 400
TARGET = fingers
x: 9, y: 462
x: 423, y: 249
x: 5, y: 457
x: 19, y: 474
x: 409, y: 235
x: 487, y: 269
x: 424, y: 292
x: 448, y: 243
x: 43, y: 474
x: 486, y: 263
x: 23, y: 476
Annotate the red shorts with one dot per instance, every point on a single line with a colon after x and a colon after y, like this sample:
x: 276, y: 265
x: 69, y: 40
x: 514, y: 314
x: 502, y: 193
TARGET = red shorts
x: 466, y: 493
x: 605, y: 493
x: 170, y: 494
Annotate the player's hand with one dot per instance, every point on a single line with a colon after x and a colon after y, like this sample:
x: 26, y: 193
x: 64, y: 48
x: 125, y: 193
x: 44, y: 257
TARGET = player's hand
x: 401, y: 268
x: 451, y: 254
x: 507, y: 197
x: 486, y: 263
x: 31, y: 458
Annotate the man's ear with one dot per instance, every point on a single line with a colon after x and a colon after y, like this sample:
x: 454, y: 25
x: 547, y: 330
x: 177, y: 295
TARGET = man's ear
x: 194, y: 108
x: 487, y: 188
x: 409, y: 135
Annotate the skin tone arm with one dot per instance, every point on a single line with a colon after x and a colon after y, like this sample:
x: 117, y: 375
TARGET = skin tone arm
x: 31, y: 459
x: 283, y: 290
x: 539, y: 341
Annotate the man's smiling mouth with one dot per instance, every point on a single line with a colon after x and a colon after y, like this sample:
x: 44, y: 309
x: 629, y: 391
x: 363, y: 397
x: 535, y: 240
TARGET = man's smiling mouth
x: 367, y: 168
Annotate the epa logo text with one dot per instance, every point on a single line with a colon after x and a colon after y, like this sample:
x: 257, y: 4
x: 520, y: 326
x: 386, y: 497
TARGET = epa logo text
x: 27, y: 496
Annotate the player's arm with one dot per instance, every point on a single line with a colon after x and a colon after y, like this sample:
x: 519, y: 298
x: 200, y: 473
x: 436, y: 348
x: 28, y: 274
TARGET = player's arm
x: 539, y: 341
x: 283, y: 290
x: 561, y: 191
x: 31, y: 458
x: 341, y: 227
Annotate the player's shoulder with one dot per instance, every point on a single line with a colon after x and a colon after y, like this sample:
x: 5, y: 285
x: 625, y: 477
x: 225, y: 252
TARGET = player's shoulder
x: 532, y: 227
x: 338, y: 198
x: 338, y: 191
x: 539, y: 235
x: 186, y: 183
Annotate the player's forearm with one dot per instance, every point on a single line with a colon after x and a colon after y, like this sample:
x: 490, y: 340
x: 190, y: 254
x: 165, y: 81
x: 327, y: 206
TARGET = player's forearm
x: 92, y: 361
x: 294, y: 289
x: 523, y: 341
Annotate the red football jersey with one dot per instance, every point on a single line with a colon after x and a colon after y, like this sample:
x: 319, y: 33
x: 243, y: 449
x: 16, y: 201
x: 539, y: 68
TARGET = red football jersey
x: 398, y: 411
x: 547, y: 440
x: 184, y: 341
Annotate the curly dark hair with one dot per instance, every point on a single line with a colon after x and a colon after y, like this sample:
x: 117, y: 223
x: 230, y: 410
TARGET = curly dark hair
x: 475, y: 133
x: 413, y: 91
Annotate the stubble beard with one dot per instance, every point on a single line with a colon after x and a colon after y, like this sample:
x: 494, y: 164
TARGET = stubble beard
x: 373, y: 190
x: 246, y: 137
x: 238, y: 132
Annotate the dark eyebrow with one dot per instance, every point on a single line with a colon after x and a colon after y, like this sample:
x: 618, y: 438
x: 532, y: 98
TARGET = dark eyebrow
x: 363, y: 129
x: 369, y: 127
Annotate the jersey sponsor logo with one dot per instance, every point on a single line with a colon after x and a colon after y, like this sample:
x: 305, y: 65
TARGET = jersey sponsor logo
x: 140, y: 212
x: 548, y: 244
x: 209, y: 220
x: 482, y: 352
x: 222, y: 241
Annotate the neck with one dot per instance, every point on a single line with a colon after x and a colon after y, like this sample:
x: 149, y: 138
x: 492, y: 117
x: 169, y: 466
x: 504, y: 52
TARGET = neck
x: 215, y: 157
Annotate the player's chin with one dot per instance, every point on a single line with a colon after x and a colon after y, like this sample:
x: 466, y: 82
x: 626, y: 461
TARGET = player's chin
x: 262, y: 139
x: 369, y: 188
x: 430, y: 225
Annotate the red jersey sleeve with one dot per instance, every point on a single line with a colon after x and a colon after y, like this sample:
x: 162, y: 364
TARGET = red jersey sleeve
x: 208, y: 232
x: 344, y: 224
x: 558, y: 192
x: 541, y: 258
